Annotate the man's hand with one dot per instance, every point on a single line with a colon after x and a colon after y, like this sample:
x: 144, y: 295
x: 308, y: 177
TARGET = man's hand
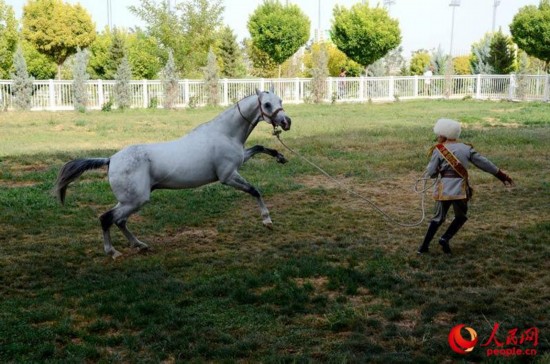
x: 504, y: 178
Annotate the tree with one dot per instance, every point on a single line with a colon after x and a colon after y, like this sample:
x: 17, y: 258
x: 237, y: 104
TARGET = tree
x: 394, y: 61
x: 123, y: 91
x: 391, y: 64
x: 202, y: 21
x: 319, y: 73
x: 440, y: 62
x: 145, y: 55
x: 461, y: 65
x: 530, y: 30
x: 80, y: 77
x: 480, y: 60
x: 278, y: 30
x: 99, y: 54
x: 117, y: 51
x: 502, y: 54
x: 420, y: 62
x: 189, y: 29
x: 336, y: 60
x: 8, y: 38
x: 364, y: 34
x: 230, y: 54
x: 170, y: 83
x: 211, y: 79
x: 38, y: 65
x: 262, y: 64
x: 22, y: 87
x: 57, y: 29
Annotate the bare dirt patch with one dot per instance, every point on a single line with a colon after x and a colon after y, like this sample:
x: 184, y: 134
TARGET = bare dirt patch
x: 195, y: 239
x: 18, y: 184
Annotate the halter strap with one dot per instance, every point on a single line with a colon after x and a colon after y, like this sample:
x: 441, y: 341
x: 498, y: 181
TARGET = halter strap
x: 263, y: 114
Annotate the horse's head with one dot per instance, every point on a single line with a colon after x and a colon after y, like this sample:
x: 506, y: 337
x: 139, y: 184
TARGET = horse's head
x: 271, y: 107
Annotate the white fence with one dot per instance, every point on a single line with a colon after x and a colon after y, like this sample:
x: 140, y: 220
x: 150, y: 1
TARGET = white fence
x: 58, y: 95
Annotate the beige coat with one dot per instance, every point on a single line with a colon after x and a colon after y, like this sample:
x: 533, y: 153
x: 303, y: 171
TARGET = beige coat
x: 455, y: 187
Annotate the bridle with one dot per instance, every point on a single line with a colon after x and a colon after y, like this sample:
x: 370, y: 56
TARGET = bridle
x: 263, y: 114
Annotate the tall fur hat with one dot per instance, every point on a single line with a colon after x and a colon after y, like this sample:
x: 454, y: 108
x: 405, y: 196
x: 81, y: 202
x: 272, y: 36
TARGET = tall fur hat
x: 448, y: 128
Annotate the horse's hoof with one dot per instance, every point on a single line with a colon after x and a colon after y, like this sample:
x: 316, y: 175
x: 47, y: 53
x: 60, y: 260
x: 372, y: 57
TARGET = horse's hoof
x: 143, y: 249
x: 115, y: 254
x: 268, y: 224
x: 141, y: 246
x: 281, y: 159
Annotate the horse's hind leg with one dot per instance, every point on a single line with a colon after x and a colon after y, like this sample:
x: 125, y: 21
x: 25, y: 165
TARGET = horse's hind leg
x: 106, y: 222
x: 134, y: 242
x: 237, y: 181
x: 119, y: 215
x: 251, y: 152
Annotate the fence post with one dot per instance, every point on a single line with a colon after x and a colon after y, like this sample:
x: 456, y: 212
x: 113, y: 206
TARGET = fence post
x: 512, y: 88
x: 478, y: 86
x: 100, y: 96
x: 329, y: 88
x: 225, y: 91
x: 51, y: 93
x: 547, y: 88
x: 415, y: 87
x: 145, y: 94
x: 186, y: 92
x: 391, y: 88
x: 361, y: 89
x: 297, y: 90
x: 262, y: 84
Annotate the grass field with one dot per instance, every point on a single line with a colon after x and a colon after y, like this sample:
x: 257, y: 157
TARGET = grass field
x: 333, y: 282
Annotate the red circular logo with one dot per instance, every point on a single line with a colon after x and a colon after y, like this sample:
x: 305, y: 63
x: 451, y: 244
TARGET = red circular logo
x: 458, y: 343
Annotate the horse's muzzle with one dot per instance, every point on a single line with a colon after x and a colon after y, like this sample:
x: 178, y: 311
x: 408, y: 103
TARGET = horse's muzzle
x: 285, y: 123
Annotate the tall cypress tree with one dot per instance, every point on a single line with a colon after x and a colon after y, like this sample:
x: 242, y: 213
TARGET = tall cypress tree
x: 22, y: 87
x: 123, y: 91
x: 80, y: 77
x: 230, y: 54
x: 116, y: 52
x: 211, y: 79
x: 502, y: 56
x: 170, y: 83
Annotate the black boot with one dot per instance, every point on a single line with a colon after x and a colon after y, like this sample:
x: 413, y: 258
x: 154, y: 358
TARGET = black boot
x: 432, y: 229
x: 451, y: 231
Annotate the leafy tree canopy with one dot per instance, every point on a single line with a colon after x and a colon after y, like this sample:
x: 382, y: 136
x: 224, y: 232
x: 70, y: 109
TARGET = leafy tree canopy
x: 38, y: 65
x: 8, y: 38
x: 502, y: 54
x: 189, y: 29
x: 278, y: 30
x: 530, y: 30
x: 461, y: 65
x: 336, y: 60
x: 57, y: 29
x: 479, y: 60
x: 363, y: 33
x: 230, y: 54
x: 420, y: 62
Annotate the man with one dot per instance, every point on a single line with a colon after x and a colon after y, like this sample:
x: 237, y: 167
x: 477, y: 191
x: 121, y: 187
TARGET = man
x: 450, y: 159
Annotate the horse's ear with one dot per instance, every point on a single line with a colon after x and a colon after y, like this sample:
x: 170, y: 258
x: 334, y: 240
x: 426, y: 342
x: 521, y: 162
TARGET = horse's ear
x: 258, y: 92
x: 272, y: 88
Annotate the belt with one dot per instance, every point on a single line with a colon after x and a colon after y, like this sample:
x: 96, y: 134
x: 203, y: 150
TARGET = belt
x: 450, y: 174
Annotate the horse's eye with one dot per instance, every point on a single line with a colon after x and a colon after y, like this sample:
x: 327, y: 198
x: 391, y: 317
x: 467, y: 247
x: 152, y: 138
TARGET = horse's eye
x: 268, y: 105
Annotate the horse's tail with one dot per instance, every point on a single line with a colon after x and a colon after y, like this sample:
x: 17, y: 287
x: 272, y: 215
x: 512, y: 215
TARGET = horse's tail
x: 74, y: 169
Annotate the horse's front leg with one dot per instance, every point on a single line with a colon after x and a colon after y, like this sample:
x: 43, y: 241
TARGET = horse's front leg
x: 237, y: 181
x: 251, y: 152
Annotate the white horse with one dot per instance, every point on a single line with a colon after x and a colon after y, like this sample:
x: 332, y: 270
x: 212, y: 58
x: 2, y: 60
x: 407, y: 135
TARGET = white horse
x: 214, y: 151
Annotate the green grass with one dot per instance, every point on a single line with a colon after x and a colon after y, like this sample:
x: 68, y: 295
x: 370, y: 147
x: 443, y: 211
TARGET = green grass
x: 333, y: 282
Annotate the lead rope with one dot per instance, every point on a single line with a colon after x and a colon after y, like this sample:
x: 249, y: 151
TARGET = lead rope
x: 422, y: 191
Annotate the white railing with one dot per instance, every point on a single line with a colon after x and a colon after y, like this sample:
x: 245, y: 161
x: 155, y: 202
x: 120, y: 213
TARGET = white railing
x: 58, y: 95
